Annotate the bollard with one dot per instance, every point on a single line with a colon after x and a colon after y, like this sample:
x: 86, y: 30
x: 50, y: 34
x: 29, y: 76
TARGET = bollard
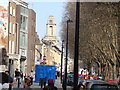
x: 18, y: 82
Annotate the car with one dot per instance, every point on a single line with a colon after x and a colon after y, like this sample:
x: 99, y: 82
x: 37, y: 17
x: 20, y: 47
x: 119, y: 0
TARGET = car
x: 101, y: 85
x: 70, y: 80
x: 97, y: 84
x: 70, y: 77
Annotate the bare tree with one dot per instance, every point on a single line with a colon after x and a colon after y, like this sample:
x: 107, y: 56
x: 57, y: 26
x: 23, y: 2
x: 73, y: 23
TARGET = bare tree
x: 98, y: 35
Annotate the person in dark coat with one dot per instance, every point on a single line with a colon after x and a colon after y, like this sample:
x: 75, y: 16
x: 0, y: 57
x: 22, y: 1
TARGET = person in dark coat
x: 10, y: 80
x: 58, y: 73
x: 4, y: 81
x: 118, y: 81
x: 45, y: 81
x: 17, y: 74
x: 50, y: 85
x: 27, y: 83
x: 32, y: 76
x: 41, y: 82
x: 21, y: 76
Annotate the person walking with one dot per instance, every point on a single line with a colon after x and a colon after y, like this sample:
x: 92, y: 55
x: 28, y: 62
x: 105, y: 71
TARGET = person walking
x: 17, y: 74
x: 32, y: 76
x: 118, y: 81
x: 4, y: 82
x: 10, y: 80
x: 45, y: 81
x: 27, y: 83
x: 58, y: 73
x: 41, y: 82
x: 50, y: 85
x: 21, y: 76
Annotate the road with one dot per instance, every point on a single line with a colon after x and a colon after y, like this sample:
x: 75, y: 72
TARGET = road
x: 36, y: 85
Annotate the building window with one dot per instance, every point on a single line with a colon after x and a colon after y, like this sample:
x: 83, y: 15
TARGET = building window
x: 51, y: 30
x: 13, y: 28
x: 23, y: 52
x: 10, y: 46
x: 23, y: 22
x: 13, y: 47
x: 11, y: 10
x: 22, y: 39
x: 10, y: 30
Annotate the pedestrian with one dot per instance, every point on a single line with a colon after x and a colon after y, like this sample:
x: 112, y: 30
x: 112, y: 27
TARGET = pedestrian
x: 50, y: 85
x: 10, y: 80
x: 81, y: 87
x: 25, y: 75
x: 118, y: 81
x: 27, y: 83
x: 21, y: 76
x: 45, y: 81
x: 58, y: 73
x: 99, y: 77
x: 32, y: 76
x: 17, y: 74
x: 56, y: 76
x: 41, y: 82
x: 91, y: 78
x: 4, y: 82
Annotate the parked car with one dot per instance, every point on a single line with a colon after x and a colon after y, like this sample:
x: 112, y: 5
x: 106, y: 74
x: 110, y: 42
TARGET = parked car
x: 102, y: 85
x: 97, y: 84
x: 70, y: 79
x: 85, y: 82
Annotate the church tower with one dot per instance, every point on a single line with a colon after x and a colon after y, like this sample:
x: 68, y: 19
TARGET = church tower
x: 51, y: 31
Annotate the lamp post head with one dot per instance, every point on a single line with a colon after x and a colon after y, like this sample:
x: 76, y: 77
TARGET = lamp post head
x: 69, y: 21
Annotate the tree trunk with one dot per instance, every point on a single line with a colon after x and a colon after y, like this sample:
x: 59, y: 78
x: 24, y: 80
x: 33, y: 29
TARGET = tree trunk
x: 89, y: 69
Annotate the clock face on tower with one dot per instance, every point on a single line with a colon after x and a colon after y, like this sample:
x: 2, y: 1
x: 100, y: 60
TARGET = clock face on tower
x: 50, y: 22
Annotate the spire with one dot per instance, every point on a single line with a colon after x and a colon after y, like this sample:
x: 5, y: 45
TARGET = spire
x: 51, y: 27
x: 51, y: 31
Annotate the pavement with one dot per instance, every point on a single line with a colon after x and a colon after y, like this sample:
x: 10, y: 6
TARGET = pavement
x: 36, y: 85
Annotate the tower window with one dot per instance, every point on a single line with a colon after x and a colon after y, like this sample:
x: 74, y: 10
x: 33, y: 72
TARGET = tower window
x: 51, y: 30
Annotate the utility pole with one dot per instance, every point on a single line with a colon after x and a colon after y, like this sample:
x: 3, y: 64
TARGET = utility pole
x: 65, y: 81
x: 76, y: 49
x: 62, y: 59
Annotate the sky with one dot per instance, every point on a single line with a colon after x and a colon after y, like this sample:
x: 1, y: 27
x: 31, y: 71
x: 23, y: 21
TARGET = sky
x: 45, y: 8
x: 4, y: 3
x: 43, y: 11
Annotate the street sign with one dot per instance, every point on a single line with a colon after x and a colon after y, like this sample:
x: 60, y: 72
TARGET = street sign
x: 40, y: 60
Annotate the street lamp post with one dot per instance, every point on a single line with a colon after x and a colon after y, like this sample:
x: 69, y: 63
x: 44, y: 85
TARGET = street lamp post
x: 76, y: 49
x: 61, y: 59
x: 65, y: 81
